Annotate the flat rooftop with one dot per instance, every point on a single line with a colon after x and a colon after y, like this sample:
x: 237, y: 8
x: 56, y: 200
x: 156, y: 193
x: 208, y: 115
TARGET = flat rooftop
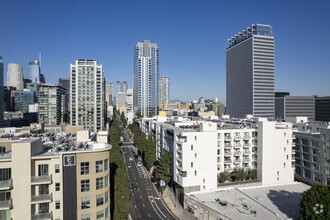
x: 259, y: 202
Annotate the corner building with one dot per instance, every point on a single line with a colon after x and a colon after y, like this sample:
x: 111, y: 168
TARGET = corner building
x: 41, y: 181
x: 250, y: 73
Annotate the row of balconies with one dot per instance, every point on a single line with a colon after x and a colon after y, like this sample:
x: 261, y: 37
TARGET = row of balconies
x: 245, y: 137
x: 245, y: 160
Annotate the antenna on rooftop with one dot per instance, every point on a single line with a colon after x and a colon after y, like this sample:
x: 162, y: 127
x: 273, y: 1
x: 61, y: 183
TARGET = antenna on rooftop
x: 40, y: 59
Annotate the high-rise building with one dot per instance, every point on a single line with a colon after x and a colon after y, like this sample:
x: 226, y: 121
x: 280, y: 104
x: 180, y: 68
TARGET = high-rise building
x: 87, y: 94
x: 121, y: 93
x: 34, y: 71
x: 294, y: 106
x: 23, y: 99
x: 52, y: 104
x: 164, y: 90
x: 250, y: 73
x: 129, y: 106
x: 64, y: 82
x: 146, y: 78
x: 42, y: 78
x: 9, y: 98
x: 322, y: 108
x: 109, y: 94
x: 15, y: 76
x: 1, y: 90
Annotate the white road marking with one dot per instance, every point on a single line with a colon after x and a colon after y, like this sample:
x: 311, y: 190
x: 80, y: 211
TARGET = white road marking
x: 149, y: 215
x: 143, y: 205
x: 151, y: 199
x: 141, y: 197
x: 135, y: 206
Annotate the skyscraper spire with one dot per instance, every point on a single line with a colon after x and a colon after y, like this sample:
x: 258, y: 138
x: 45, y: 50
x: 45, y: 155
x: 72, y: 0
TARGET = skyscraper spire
x: 40, y: 59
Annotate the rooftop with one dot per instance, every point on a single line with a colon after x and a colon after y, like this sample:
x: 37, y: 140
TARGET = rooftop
x: 260, y: 202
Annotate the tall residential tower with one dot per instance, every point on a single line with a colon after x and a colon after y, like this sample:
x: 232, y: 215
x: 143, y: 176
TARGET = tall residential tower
x: 250, y: 72
x: 34, y: 71
x: 163, y: 90
x: 146, y: 77
x: 87, y: 95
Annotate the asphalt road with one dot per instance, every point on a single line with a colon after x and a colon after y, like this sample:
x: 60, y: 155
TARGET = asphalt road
x: 146, y: 203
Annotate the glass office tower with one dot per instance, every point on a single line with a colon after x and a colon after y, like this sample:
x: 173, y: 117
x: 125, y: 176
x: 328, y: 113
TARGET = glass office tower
x: 250, y: 73
x: 34, y: 71
x: 146, y: 78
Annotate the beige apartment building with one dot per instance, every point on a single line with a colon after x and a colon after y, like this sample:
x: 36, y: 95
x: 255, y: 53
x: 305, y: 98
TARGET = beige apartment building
x: 55, y: 177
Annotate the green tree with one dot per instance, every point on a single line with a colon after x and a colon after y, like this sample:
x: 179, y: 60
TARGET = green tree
x: 123, y: 119
x: 315, y: 203
x: 238, y: 174
x: 138, y: 115
x: 252, y: 174
x: 149, y: 152
x: 224, y: 176
x: 121, y: 195
x: 163, y: 168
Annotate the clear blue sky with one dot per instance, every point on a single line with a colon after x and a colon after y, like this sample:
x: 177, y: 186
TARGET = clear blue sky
x: 192, y: 37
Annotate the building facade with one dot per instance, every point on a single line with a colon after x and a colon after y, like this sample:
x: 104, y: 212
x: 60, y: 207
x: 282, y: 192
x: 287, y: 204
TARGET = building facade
x: 34, y: 71
x: 129, y: 106
x: 294, y: 106
x: 109, y: 94
x: 1, y: 90
x: 164, y: 90
x: 64, y: 82
x: 312, y: 151
x: 54, y: 182
x: 146, y: 78
x: 52, y: 104
x: 201, y: 150
x: 9, y: 98
x: 15, y: 76
x: 121, y: 93
x: 23, y: 99
x: 322, y: 108
x: 250, y: 73
x: 87, y: 95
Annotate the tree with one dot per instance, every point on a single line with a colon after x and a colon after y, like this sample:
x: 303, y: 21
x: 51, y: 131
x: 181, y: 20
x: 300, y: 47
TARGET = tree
x: 163, y: 168
x: 123, y: 119
x: 252, y: 174
x: 315, y: 203
x: 224, y: 176
x: 138, y: 115
x: 149, y: 152
x: 238, y: 174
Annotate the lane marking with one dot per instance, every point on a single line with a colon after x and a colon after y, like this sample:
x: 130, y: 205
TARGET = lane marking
x: 149, y: 215
x: 143, y: 205
x: 152, y: 205
x: 158, y: 207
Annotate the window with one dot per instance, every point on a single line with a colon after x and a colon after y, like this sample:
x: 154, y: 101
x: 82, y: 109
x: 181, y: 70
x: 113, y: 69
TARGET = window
x: 192, y: 147
x: 2, y: 149
x: 107, y: 212
x: 99, y: 183
x: 203, y: 180
x: 57, y: 187
x: 284, y: 165
x: 86, y: 216
x: 84, y: 185
x: 195, y: 138
x: 219, y: 135
x: 106, y: 196
x: 106, y: 164
x: 85, y: 202
x: 106, y: 180
x: 99, y: 199
x: 5, y: 174
x: 43, y: 169
x: 195, y: 155
x: 195, y: 172
x: 99, y: 166
x: 192, y: 164
x: 57, y: 168
x: 287, y: 157
x: 100, y: 215
x: 57, y: 205
x: 218, y: 151
x: 84, y: 168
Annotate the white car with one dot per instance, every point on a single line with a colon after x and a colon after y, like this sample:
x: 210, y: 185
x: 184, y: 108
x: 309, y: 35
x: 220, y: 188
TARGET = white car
x: 130, y: 158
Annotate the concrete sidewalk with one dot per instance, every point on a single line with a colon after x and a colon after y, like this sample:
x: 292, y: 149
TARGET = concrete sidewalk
x: 174, y: 205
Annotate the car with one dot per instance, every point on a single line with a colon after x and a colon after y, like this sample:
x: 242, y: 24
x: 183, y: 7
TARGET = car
x: 133, y: 186
x: 130, y: 159
x: 129, y: 165
x: 139, y: 164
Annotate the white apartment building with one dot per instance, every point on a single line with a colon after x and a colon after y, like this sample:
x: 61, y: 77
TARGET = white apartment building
x: 129, y: 106
x: 87, y: 95
x: 203, y: 149
x: 15, y: 76
x: 312, y: 151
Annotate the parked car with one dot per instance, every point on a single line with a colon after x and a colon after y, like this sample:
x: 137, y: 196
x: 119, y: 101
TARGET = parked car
x: 129, y: 165
x: 130, y: 159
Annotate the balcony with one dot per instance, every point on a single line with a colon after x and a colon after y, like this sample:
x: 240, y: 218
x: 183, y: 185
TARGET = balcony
x: 237, y: 145
x: 228, y: 161
x: 228, y: 138
x: 237, y: 161
x: 237, y: 153
x: 228, y: 146
x: 246, y: 137
x: 237, y: 138
x: 44, y: 198
x: 36, y: 180
x: 246, y: 152
x: 228, y: 169
x: 228, y: 153
x: 6, y: 204
x: 247, y: 144
x: 43, y: 216
x: 246, y: 160
x: 6, y: 184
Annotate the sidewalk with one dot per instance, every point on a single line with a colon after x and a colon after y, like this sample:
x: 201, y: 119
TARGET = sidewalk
x: 174, y: 205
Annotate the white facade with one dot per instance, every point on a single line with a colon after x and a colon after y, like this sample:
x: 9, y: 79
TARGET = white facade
x: 121, y: 93
x: 109, y: 94
x: 34, y: 108
x: 129, y: 106
x: 202, y: 149
x: 15, y: 76
x: 87, y: 95
x: 312, y: 151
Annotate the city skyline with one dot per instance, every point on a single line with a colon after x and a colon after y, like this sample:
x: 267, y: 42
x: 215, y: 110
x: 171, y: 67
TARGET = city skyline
x: 301, y: 65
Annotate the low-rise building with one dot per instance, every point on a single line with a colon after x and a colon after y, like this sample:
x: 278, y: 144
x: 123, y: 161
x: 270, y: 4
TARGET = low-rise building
x: 55, y: 177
